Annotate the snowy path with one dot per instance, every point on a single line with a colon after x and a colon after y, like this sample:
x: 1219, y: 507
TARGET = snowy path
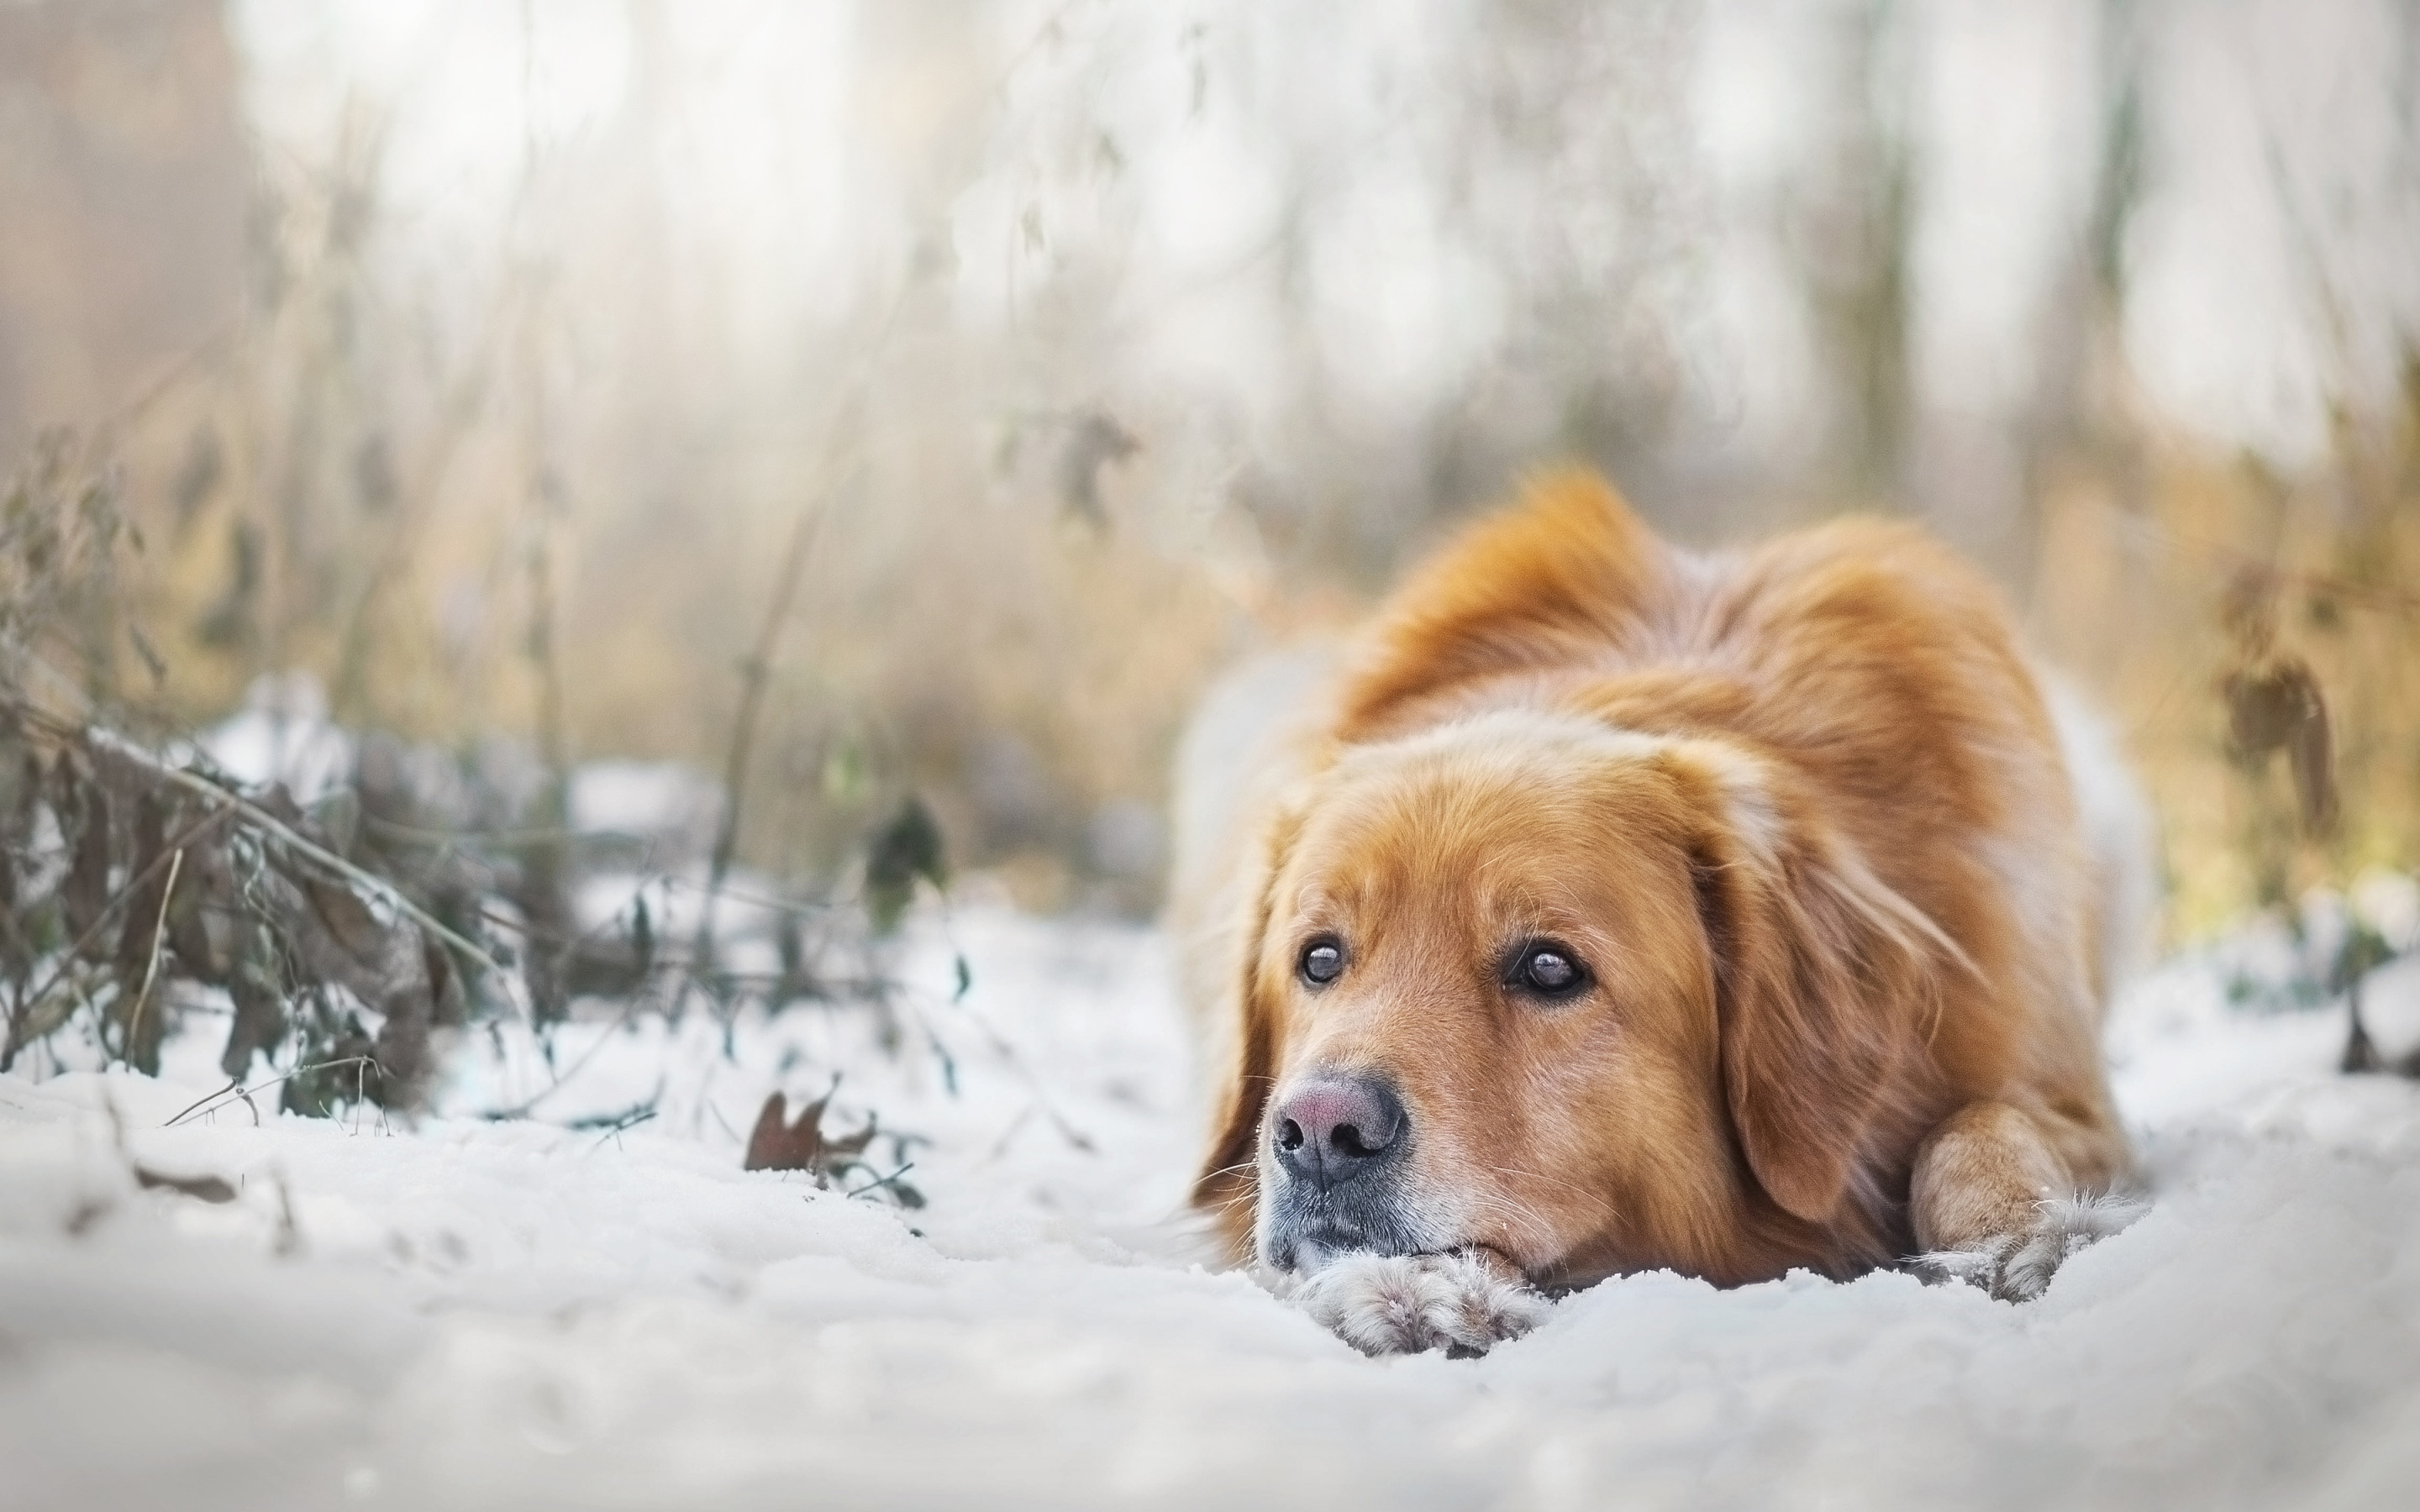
x: 518, y: 1316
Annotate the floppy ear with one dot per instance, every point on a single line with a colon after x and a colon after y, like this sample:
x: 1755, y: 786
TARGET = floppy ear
x: 1228, y: 1185
x: 1819, y: 970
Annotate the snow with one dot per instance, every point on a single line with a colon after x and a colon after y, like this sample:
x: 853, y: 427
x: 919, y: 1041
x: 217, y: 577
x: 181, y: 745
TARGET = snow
x: 524, y: 1315
x: 649, y: 798
x: 282, y: 734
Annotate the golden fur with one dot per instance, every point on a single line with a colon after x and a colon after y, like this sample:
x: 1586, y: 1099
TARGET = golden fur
x: 1801, y: 811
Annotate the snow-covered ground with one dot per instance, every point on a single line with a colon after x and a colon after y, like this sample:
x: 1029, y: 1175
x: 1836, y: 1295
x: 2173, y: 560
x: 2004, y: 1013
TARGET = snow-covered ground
x: 473, y: 1314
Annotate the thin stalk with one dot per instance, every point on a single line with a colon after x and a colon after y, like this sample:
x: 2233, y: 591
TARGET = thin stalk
x: 151, y: 962
x: 756, y: 672
x: 260, y: 818
x: 92, y: 931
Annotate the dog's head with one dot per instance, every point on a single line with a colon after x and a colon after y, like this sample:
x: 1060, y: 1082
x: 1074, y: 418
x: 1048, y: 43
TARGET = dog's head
x: 1579, y: 999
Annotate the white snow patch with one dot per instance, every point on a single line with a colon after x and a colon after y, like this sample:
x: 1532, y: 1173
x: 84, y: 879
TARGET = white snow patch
x: 515, y: 1315
x: 645, y: 798
x: 282, y: 734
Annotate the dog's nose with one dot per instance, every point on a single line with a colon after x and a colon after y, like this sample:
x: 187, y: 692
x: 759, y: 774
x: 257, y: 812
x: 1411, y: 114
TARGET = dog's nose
x: 1337, y: 1129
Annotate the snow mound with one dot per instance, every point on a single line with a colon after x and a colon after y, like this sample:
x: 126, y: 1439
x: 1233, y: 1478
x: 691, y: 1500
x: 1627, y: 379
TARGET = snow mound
x: 523, y: 1314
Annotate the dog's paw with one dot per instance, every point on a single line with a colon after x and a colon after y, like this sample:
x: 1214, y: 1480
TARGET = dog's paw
x: 1406, y: 1303
x: 2018, y: 1267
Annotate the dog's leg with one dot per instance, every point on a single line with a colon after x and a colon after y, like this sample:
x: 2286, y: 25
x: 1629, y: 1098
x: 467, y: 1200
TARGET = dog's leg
x: 1994, y: 1203
x: 1407, y: 1303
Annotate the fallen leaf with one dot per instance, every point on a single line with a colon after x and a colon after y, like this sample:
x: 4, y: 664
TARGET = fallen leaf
x: 207, y: 1188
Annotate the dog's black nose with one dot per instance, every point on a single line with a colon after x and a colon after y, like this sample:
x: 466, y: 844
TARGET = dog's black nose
x: 1334, y: 1129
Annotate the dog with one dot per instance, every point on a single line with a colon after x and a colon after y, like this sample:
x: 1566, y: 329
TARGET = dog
x: 1609, y: 906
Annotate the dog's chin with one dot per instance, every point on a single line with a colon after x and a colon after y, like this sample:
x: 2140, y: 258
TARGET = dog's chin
x: 1305, y: 1232
x: 1308, y: 1248
x: 1311, y: 1256
x: 1304, y: 1254
x: 1310, y: 1251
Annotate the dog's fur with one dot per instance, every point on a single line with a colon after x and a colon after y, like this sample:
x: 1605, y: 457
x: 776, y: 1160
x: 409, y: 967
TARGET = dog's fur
x: 1808, y: 817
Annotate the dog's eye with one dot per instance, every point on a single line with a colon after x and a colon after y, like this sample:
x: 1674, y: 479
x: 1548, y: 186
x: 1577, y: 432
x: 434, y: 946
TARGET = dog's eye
x: 1548, y: 969
x: 1322, y: 962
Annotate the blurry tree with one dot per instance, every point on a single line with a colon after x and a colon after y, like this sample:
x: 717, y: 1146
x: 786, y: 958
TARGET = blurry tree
x: 1854, y: 227
x: 124, y: 172
x: 866, y: 400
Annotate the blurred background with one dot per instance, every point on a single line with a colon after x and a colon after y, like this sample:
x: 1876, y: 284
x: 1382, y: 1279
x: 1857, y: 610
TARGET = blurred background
x: 907, y: 397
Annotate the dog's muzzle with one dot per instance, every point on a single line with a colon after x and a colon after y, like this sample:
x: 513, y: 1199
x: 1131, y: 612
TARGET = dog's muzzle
x: 1340, y: 1142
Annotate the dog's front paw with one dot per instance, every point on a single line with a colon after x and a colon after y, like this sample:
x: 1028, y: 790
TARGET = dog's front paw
x: 2017, y: 1267
x: 1406, y: 1303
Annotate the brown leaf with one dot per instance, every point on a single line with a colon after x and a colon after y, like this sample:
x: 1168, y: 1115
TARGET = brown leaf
x: 348, y: 919
x: 2264, y: 704
x: 450, y: 1008
x: 207, y: 1188
x: 2312, y: 754
x: 775, y: 1145
x: 148, y: 895
x: 189, y: 929
x: 2277, y: 705
x: 85, y: 891
x: 252, y: 984
x: 406, y: 1058
x: 844, y: 1152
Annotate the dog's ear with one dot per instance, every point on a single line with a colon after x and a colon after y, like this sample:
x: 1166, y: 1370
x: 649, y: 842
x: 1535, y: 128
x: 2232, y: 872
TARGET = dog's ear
x: 1228, y: 1185
x: 1818, y: 969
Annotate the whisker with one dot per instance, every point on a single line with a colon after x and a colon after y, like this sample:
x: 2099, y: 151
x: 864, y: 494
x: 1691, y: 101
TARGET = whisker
x: 1529, y: 1219
x: 1596, y: 1198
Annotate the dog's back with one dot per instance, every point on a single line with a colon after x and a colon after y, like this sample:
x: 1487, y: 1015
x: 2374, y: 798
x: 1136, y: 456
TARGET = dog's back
x: 1573, y: 582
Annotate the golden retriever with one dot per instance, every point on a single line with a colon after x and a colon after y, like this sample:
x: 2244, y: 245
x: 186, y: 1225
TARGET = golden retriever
x: 1614, y: 907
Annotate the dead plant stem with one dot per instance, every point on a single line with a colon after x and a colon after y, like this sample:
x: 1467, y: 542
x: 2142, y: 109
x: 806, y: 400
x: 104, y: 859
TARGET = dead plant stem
x: 231, y: 1092
x: 262, y: 819
x: 151, y: 962
x: 92, y: 931
x: 755, y: 673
